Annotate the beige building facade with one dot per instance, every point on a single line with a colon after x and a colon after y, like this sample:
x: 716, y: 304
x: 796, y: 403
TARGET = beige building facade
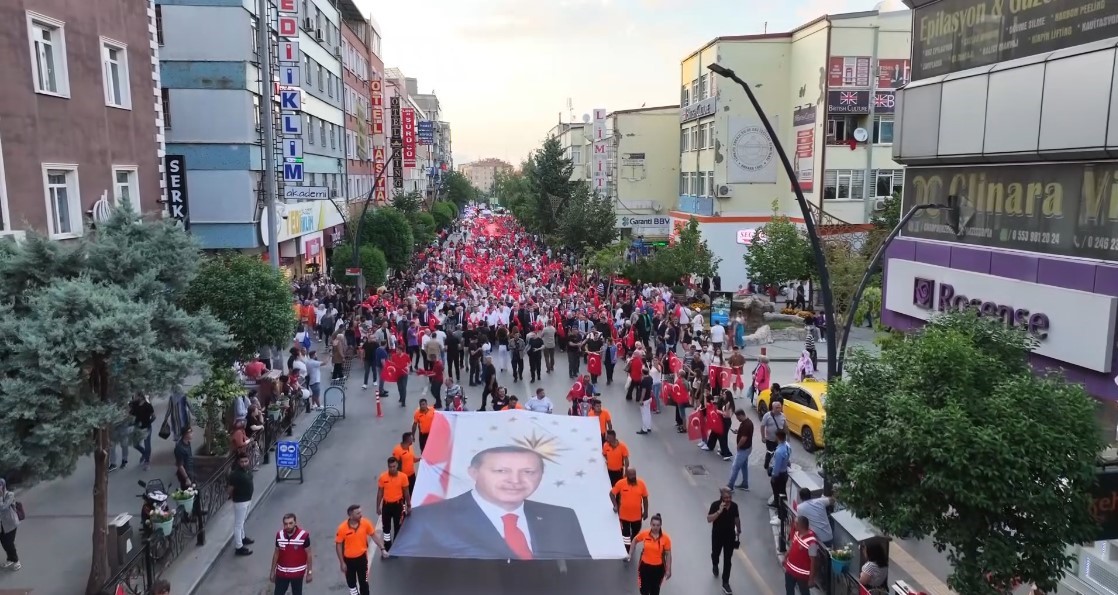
x: 643, y: 169
x: 482, y: 174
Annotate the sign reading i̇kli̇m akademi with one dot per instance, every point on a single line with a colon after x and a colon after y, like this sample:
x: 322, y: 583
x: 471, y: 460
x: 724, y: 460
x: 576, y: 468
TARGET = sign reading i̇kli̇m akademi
x: 1072, y: 326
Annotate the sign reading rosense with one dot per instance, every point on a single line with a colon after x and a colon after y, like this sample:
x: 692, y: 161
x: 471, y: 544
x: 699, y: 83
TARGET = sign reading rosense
x: 1076, y: 327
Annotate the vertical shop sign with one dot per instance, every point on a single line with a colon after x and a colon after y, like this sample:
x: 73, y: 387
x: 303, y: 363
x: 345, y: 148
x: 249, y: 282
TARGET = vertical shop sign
x: 407, y: 119
x: 290, y: 95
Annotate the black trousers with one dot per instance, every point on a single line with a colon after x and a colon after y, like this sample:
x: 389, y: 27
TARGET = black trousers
x: 475, y: 372
x: 779, y: 484
x: 629, y: 530
x: 8, y: 540
x: 357, y: 573
x: 411, y: 483
x: 282, y: 584
x: 391, y: 515
x: 337, y: 372
x: 485, y: 393
x: 517, y: 367
x: 413, y: 354
x: 423, y: 441
x: 722, y: 546
x: 634, y: 387
x: 649, y: 578
x: 574, y: 360
x: 770, y: 449
x: 534, y: 362
x: 609, y: 373
x: 721, y: 440
x: 454, y: 365
x: 615, y: 476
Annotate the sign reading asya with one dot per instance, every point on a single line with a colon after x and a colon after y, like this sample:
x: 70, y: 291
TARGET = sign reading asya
x: 1068, y: 209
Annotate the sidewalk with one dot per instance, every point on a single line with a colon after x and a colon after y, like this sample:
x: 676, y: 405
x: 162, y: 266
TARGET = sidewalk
x: 789, y: 351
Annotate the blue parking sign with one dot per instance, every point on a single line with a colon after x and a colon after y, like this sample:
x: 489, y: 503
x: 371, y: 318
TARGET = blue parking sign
x: 287, y: 454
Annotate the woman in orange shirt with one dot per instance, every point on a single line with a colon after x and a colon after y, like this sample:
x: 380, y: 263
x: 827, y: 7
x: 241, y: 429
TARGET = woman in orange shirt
x: 656, y: 557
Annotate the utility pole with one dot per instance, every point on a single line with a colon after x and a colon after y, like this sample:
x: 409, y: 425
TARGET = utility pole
x: 869, y: 185
x: 264, y: 47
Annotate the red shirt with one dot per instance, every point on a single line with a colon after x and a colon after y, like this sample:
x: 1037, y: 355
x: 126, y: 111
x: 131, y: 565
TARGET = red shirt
x: 396, y: 367
x: 635, y: 366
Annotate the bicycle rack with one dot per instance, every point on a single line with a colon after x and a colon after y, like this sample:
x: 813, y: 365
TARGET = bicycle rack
x: 318, y: 430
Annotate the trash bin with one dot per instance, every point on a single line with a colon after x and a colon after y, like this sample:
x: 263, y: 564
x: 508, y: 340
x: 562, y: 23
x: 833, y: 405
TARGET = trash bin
x: 120, y: 542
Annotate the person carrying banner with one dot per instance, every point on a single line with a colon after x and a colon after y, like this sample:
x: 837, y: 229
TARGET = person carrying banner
x: 393, y: 495
x: 655, y: 565
x: 630, y: 502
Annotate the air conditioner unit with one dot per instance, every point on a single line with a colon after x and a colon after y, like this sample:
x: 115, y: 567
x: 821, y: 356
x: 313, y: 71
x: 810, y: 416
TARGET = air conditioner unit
x: 338, y: 51
x: 725, y: 191
x: 879, y: 204
x: 318, y: 35
x: 308, y: 24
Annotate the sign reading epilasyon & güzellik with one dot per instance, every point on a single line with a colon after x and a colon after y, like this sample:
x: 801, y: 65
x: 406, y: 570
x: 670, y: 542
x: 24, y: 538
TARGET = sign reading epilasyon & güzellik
x: 1076, y: 327
x: 953, y: 35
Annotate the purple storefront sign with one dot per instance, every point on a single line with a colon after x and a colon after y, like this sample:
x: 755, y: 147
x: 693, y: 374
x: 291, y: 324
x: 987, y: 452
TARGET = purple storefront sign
x: 1063, y: 273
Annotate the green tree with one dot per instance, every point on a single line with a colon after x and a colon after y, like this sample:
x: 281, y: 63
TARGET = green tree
x: 389, y: 229
x: 846, y: 265
x: 513, y: 192
x: 444, y: 214
x: 973, y: 449
x: 780, y: 252
x: 84, y: 327
x: 609, y: 260
x: 423, y: 228
x: 371, y: 260
x: 692, y: 252
x: 249, y: 296
x: 883, y: 222
x: 408, y: 203
x: 549, y: 184
x: 459, y: 189
x: 588, y: 222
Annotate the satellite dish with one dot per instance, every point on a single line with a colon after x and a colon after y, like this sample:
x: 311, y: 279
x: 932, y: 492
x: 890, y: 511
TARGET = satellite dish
x: 861, y: 135
x: 585, y: 118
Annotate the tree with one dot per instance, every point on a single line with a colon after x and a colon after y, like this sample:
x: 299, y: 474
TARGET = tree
x: 84, y: 327
x: 408, y: 203
x: 936, y: 423
x: 389, y: 229
x: 423, y: 228
x: 846, y: 265
x: 371, y: 260
x: 692, y: 253
x: 609, y: 260
x: 549, y: 184
x: 780, y: 252
x: 884, y: 221
x: 444, y: 214
x: 512, y: 192
x: 249, y: 296
x: 588, y: 222
x: 459, y: 189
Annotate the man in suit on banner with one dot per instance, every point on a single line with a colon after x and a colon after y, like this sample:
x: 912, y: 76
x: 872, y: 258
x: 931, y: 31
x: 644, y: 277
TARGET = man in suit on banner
x: 495, y: 520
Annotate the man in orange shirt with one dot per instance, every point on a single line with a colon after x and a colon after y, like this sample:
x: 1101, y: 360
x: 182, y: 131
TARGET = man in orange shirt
x: 616, y: 455
x: 393, y: 496
x: 421, y: 422
x: 351, y: 543
x: 630, y: 502
x: 605, y: 420
x: 405, y: 454
x: 514, y: 403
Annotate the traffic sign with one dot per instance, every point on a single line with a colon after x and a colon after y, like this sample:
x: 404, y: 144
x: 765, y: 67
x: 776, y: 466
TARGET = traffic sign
x: 288, y: 52
x: 289, y: 76
x: 353, y: 272
x: 292, y: 125
x: 293, y: 148
x: 292, y: 172
x: 287, y: 454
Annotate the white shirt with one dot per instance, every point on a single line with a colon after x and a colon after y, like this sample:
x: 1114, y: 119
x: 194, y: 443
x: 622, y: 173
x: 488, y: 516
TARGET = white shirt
x: 717, y: 334
x: 537, y: 405
x: 697, y: 323
x: 494, y: 514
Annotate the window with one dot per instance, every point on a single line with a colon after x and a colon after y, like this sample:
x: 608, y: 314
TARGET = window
x: 684, y: 140
x: 695, y: 91
x: 114, y: 64
x: 48, y: 55
x: 307, y: 65
x: 685, y: 96
x: 255, y: 44
x: 702, y: 185
x: 321, y: 78
x: 695, y: 146
x: 125, y: 185
x: 310, y: 129
x: 888, y: 182
x: 576, y: 155
x: 883, y: 130
x: 844, y: 184
x: 710, y: 183
x: 330, y: 90
x: 333, y: 136
x: 704, y: 88
x: 256, y: 113
x: 840, y: 129
x: 165, y: 95
x: 60, y: 183
x: 702, y: 144
x: 683, y: 184
x: 159, y: 24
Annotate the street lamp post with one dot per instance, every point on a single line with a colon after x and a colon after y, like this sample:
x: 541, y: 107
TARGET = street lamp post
x: 951, y: 207
x: 809, y: 223
x: 356, y: 239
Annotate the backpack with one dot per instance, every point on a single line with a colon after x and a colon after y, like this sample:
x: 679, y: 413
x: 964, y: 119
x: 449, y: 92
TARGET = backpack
x: 306, y: 342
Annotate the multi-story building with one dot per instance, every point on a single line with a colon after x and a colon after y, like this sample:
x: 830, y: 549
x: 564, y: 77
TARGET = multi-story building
x: 380, y: 112
x: 483, y: 173
x: 357, y: 36
x: 438, y: 152
x: 828, y: 88
x: 577, y: 144
x: 212, y: 88
x: 643, y: 169
x: 80, y: 121
x: 1008, y: 126
x: 412, y: 175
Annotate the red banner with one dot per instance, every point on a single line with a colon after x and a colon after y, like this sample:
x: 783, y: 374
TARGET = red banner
x: 407, y: 122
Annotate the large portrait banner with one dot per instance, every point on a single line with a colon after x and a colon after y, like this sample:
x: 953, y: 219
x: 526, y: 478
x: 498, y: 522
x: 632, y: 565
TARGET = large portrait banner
x: 511, y: 485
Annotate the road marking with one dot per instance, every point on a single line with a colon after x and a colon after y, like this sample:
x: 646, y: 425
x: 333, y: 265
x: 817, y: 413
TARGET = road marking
x: 690, y: 480
x: 756, y: 576
x: 919, y: 573
x: 668, y: 446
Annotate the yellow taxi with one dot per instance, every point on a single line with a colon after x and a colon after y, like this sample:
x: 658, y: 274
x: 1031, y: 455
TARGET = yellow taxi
x: 803, y: 408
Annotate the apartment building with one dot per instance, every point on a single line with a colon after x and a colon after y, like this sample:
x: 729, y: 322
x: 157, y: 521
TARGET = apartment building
x: 358, y: 39
x: 577, y: 143
x: 409, y: 169
x: 212, y: 90
x: 643, y: 169
x: 483, y: 173
x: 828, y: 88
x: 434, y: 138
x: 80, y: 121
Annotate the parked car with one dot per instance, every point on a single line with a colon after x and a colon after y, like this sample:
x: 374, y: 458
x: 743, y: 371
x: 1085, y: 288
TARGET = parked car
x: 803, y: 408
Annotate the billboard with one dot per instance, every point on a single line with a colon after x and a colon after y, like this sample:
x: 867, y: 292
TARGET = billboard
x: 425, y: 132
x: 397, y: 141
x: 848, y: 71
x: 803, y: 162
x: 858, y: 102
x: 1065, y: 209
x: 953, y: 35
x: 548, y: 470
x: 407, y: 122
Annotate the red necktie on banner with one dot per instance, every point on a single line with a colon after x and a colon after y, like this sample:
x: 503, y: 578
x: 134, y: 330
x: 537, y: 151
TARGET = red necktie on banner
x: 515, y: 538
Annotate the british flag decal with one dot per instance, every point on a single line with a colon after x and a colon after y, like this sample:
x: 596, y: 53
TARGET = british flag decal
x: 848, y: 98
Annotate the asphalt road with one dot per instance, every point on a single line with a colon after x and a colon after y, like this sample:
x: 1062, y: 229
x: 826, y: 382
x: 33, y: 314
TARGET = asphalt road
x: 344, y: 471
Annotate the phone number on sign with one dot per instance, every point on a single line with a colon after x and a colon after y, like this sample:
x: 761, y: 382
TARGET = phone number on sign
x: 1097, y: 243
x: 1034, y: 237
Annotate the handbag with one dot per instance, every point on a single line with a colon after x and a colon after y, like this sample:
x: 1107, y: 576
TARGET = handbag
x: 165, y: 429
x: 18, y: 508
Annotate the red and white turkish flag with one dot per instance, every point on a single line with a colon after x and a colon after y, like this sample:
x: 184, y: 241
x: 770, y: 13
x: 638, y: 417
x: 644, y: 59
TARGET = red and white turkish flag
x: 594, y: 364
x: 694, y: 425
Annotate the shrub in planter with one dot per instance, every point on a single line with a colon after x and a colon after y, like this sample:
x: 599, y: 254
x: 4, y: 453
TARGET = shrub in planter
x: 211, y: 402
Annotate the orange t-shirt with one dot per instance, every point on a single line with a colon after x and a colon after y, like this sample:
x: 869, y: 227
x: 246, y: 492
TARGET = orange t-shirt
x: 406, y: 458
x: 654, y: 548
x: 424, y: 420
x: 603, y: 419
x: 615, y: 455
x: 393, y: 486
x: 308, y: 314
x: 355, y: 542
x: 630, y: 499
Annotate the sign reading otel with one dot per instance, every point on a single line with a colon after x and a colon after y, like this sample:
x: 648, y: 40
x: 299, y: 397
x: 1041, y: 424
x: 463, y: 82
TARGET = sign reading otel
x: 1072, y: 326
x: 376, y: 98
